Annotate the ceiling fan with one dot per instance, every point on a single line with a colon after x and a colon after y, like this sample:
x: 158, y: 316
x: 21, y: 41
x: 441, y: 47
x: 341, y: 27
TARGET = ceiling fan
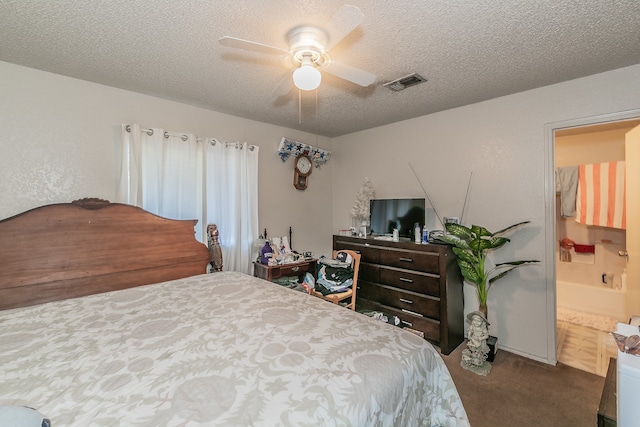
x: 308, y: 52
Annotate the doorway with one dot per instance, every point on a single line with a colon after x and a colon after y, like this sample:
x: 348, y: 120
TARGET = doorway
x: 570, y: 132
x: 590, y: 297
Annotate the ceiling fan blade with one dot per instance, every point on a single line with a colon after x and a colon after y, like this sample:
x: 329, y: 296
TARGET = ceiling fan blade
x: 346, y: 19
x: 284, y: 87
x: 349, y: 73
x: 249, y: 45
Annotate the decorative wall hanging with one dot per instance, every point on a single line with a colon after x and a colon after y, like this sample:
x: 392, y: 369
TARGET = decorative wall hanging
x: 289, y: 147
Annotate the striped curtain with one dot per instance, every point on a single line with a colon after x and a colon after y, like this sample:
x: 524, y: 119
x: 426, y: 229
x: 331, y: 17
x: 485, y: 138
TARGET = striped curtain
x: 601, y: 195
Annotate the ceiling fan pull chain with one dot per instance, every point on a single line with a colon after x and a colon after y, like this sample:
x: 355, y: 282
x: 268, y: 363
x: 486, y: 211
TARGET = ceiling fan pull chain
x: 299, y: 106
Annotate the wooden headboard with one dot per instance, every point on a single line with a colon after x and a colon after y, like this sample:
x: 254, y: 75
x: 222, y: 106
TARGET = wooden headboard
x: 90, y: 246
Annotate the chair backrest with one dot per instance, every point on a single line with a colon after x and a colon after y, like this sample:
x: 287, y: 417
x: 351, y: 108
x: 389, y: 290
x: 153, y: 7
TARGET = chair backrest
x: 355, y: 265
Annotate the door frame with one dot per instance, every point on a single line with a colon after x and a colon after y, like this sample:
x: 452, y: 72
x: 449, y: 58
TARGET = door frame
x: 550, y: 211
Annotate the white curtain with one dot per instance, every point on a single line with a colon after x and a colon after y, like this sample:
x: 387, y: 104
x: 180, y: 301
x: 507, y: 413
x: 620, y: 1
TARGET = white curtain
x: 183, y: 177
x: 228, y: 198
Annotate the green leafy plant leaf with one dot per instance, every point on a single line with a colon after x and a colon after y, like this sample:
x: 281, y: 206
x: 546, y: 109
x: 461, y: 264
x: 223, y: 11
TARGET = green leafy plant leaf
x: 471, y: 245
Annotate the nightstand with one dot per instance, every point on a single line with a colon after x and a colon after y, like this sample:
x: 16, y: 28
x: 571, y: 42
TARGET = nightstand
x: 272, y: 272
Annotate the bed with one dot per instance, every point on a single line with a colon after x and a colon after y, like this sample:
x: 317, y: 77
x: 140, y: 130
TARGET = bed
x: 109, y: 318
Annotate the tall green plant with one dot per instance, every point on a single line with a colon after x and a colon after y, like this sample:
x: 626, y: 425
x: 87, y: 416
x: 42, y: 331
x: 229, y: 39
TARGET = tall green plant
x: 472, y: 245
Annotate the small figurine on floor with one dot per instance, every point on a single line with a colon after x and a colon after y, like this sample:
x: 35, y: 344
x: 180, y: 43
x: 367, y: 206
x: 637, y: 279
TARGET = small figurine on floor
x: 474, y: 357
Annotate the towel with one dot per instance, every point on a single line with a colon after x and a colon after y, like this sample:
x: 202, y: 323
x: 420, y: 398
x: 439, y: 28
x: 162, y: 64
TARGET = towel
x: 567, y: 245
x: 584, y: 249
x: 601, y: 195
x: 567, y: 181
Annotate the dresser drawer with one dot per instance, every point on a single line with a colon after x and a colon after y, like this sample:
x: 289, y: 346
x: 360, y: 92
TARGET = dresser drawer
x: 369, y: 272
x: 293, y: 270
x: 427, y: 262
x: 430, y: 327
x: 424, y: 283
x: 284, y: 270
x: 368, y: 291
x: 367, y: 253
x: 417, y: 303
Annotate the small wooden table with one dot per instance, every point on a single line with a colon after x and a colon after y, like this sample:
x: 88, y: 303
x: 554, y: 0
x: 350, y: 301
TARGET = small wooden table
x: 272, y: 272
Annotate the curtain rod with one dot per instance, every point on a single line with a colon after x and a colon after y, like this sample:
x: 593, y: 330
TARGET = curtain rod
x: 238, y: 145
x: 184, y: 137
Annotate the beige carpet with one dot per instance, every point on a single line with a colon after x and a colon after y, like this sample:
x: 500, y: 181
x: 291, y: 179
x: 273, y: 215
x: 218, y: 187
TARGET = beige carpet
x: 522, y: 392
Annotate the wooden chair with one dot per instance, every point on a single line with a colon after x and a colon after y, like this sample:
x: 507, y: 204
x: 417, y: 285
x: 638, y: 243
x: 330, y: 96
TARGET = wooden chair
x: 351, y: 293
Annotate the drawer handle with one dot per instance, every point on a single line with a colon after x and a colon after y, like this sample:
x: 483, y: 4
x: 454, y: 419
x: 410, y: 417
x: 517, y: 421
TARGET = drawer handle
x: 413, y: 313
x: 407, y: 323
x: 407, y: 301
x: 296, y: 268
x: 404, y: 279
x: 405, y: 259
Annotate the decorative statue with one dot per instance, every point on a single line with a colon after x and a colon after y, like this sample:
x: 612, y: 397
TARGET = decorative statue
x: 474, y: 357
x: 360, y: 210
x: 215, y: 251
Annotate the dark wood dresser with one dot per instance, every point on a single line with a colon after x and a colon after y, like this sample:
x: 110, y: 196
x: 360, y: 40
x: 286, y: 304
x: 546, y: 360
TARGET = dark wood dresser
x: 420, y: 284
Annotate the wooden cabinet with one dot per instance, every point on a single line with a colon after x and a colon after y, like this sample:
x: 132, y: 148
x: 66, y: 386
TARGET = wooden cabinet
x: 272, y: 272
x: 420, y: 284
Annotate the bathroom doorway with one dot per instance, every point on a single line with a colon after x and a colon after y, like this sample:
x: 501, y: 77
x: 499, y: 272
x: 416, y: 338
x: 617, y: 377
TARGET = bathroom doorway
x: 589, y: 272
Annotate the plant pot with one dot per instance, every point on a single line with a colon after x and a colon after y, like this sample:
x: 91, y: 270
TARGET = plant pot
x: 492, y: 342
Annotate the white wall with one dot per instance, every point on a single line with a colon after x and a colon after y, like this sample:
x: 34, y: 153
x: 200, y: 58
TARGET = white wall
x: 503, y: 143
x: 59, y: 143
x: 59, y: 140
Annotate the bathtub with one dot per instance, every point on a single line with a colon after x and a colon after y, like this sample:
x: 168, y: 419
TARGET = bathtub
x: 591, y: 299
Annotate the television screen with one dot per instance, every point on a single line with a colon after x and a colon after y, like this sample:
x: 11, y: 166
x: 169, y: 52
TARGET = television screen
x: 387, y: 214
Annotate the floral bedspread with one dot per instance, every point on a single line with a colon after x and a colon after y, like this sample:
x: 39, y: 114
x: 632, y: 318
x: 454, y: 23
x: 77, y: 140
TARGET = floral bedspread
x: 222, y: 349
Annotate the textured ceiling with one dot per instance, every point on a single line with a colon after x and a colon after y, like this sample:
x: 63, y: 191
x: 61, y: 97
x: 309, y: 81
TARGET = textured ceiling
x: 469, y: 50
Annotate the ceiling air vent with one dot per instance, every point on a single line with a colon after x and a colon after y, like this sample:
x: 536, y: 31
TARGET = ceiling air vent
x: 405, y: 82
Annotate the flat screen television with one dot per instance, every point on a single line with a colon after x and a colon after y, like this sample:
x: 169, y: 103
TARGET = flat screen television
x: 387, y: 214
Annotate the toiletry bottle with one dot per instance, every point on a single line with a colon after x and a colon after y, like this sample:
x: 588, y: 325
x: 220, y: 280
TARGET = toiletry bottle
x: 396, y: 235
x: 416, y: 233
x: 425, y: 235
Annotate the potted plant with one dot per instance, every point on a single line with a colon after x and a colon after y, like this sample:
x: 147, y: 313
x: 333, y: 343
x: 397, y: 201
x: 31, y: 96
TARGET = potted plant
x: 472, y: 245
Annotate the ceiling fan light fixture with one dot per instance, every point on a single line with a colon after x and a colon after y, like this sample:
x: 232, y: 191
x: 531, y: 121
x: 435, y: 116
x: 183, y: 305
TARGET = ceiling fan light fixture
x: 308, y: 52
x: 307, y: 77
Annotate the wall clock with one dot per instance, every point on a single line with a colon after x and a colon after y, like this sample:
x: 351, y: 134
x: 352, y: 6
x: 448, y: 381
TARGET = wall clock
x: 301, y: 172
